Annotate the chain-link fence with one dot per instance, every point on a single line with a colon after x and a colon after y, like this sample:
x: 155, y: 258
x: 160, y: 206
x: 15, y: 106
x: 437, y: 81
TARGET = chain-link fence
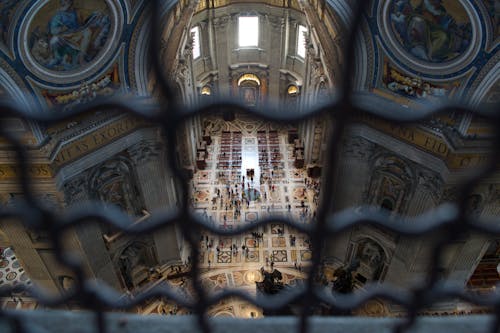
x: 451, y: 218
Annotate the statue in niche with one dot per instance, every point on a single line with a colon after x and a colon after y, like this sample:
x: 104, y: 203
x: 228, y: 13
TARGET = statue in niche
x: 113, y: 183
x: 370, y: 253
x: 113, y: 194
x: 131, y: 261
x: 393, y: 179
x: 371, y: 257
x: 474, y: 205
x: 323, y: 89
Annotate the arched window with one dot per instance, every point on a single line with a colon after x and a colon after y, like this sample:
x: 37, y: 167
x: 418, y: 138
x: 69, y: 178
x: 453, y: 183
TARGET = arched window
x: 293, y: 90
x: 301, y: 41
x: 195, y: 34
x: 206, y: 91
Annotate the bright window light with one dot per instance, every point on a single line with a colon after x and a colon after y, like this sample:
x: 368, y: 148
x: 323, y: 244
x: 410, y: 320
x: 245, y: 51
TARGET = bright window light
x: 301, y: 42
x: 195, y: 32
x: 248, y: 30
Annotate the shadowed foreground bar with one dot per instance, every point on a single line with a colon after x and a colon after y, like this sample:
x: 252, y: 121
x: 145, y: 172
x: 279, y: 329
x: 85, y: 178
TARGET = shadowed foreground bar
x: 69, y: 322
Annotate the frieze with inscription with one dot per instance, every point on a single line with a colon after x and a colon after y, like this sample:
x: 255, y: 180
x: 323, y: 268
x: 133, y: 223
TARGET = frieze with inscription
x: 95, y: 140
x: 430, y: 142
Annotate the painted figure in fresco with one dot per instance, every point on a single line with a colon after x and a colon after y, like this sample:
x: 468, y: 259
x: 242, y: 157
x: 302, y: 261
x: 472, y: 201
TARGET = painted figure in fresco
x: 6, y: 7
x: 72, y: 40
x: 428, y: 31
x: 494, y: 10
x: 413, y: 87
x: 40, y: 46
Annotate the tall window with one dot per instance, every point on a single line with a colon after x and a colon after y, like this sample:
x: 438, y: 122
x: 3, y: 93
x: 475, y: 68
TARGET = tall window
x: 301, y: 41
x: 195, y: 32
x: 248, y: 31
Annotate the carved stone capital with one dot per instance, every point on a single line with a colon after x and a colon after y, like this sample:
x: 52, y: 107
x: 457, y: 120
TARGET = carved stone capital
x: 450, y: 194
x: 221, y: 22
x: 76, y: 188
x: 276, y: 22
x: 144, y: 151
x: 430, y: 181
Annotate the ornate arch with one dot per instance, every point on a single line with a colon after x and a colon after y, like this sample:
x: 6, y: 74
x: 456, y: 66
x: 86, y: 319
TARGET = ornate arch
x: 133, y: 262
x: 114, y: 183
x: 392, y: 181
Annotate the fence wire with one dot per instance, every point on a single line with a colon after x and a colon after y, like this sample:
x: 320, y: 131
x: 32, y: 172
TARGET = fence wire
x: 341, y: 110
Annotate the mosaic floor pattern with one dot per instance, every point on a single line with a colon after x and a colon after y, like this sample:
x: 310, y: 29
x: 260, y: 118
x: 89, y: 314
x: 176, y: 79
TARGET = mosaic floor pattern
x: 252, y: 176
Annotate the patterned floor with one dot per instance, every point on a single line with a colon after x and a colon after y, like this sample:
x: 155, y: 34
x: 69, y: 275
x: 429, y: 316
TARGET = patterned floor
x: 275, y: 188
x: 11, y: 272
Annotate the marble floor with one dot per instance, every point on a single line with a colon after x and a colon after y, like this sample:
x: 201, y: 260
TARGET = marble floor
x: 229, y: 195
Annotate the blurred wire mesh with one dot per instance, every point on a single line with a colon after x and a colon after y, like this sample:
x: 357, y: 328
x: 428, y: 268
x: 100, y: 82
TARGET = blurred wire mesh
x: 451, y: 218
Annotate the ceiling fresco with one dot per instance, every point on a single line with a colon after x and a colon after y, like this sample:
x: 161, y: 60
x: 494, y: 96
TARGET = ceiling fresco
x: 7, y: 9
x: 67, y: 41
x: 420, y: 49
x: 431, y: 30
x: 430, y: 50
x: 438, y: 39
x: 66, y: 35
x: 493, y: 7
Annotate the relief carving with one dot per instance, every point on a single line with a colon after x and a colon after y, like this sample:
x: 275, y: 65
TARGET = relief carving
x: 75, y: 189
x: 113, y: 183
x: 392, y: 184
x: 221, y: 22
x: 431, y: 182
x: 358, y: 147
x: 144, y: 151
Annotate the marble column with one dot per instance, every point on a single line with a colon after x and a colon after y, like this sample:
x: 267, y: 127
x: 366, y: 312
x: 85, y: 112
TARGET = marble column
x: 157, y: 190
x: 274, y: 37
x: 427, y: 192
x: 29, y: 257
x: 89, y: 235
x: 476, y: 245
x: 222, y: 48
x: 351, y: 180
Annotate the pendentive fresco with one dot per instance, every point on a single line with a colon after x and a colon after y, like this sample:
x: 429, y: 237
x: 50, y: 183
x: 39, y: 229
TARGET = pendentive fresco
x: 431, y: 30
x: 66, y: 34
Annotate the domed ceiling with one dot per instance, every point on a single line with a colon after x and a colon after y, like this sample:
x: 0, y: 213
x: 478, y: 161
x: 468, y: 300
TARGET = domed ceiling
x: 433, y: 48
x: 415, y: 48
x: 65, y: 41
x: 59, y: 46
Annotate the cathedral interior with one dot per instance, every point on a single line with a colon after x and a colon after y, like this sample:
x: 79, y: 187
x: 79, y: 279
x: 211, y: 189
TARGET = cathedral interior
x: 244, y: 64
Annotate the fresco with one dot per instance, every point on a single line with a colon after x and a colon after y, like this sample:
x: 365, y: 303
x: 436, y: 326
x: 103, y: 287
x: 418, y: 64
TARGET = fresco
x: 435, y: 31
x: 67, y: 34
x: 494, y: 11
x: 415, y: 87
x: 105, y: 86
x: 7, y: 8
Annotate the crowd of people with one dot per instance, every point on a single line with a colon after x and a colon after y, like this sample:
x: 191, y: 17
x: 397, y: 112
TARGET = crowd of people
x: 236, y: 190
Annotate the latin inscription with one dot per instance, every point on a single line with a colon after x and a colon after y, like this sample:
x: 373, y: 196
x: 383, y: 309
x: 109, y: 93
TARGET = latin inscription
x: 97, y: 139
x: 429, y: 142
x: 34, y: 171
